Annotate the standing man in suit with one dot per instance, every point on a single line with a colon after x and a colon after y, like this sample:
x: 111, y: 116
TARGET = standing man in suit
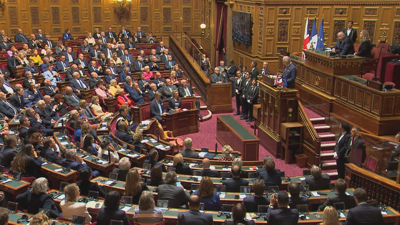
x: 340, y: 186
x: 209, y: 172
x: 282, y: 215
x: 358, y: 144
x: 254, y: 71
x: 318, y: 181
x: 289, y: 74
x: 264, y: 70
x: 193, y: 215
x: 17, y: 100
x: 110, y: 34
x: 233, y: 184
x: 20, y: 37
x: 343, y: 144
x: 243, y: 90
x: 188, y: 152
x: 270, y: 175
x: 350, y: 32
x: 140, y: 33
x: 252, y: 202
x: 363, y: 213
x: 186, y: 91
x: 157, y: 107
x: 252, y: 98
x: 238, y: 94
x: 344, y: 46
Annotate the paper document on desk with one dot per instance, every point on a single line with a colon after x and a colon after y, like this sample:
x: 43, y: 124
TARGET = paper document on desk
x: 212, y: 167
x: 146, y: 122
x: 202, y: 154
x: 126, y: 208
x: 191, y: 165
x: 144, y: 141
x: 315, y: 194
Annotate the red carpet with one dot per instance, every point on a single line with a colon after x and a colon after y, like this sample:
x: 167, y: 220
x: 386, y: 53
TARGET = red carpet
x: 206, y: 138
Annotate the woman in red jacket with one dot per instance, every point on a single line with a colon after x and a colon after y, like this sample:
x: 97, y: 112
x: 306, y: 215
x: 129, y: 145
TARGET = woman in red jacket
x: 123, y: 99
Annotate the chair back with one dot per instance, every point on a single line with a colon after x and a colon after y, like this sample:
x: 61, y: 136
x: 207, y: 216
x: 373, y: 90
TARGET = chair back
x: 356, y: 156
x: 70, y: 130
x: 371, y: 163
x: 148, y: 219
x: 145, y: 112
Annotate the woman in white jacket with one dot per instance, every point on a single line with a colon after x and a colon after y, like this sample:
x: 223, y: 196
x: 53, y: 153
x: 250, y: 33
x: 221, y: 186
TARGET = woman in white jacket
x: 104, y: 147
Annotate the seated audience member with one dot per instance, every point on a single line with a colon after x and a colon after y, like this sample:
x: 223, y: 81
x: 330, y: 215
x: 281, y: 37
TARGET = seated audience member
x: 26, y: 162
x: 125, y: 73
x: 8, y: 153
x: 271, y: 176
x: 70, y: 98
x: 153, y: 159
x: 340, y: 186
x: 146, y: 212
x: 37, y: 198
x: 239, y: 215
x: 94, y: 78
x: 208, y: 195
x: 239, y: 162
x: 76, y: 162
x: 206, y: 169
x: 6, y: 108
x: 39, y: 219
x: 188, y: 152
x: 127, y: 118
x: 70, y: 207
x: 23, y: 132
x: 365, y: 47
x: 233, y: 184
x: 157, y: 108
x: 77, y: 84
x: 122, y: 134
x: 155, y: 176
x: 174, y: 103
x: 134, y: 186
x: 193, y: 215
x: 88, y: 145
x: 4, y: 216
x: 49, y: 89
x: 363, y: 213
x: 51, y: 75
x: 108, y: 149
x: 318, y: 181
x: 97, y: 109
x: 35, y: 94
x: 78, y: 131
x: 48, y: 151
x: 35, y: 121
x: 88, y: 113
x: 108, y: 76
x: 283, y: 214
x: 110, y: 210
x: 167, y: 89
x: 344, y: 45
x: 101, y: 91
x: 123, y: 168
x: 122, y: 99
x: 295, y: 199
x: 152, y: 91
x: 330, y: 216
x: 137, y: 142
x: 176, y: 196
x: 252, y: 202
x: 17, y: 100
x: 47, y: 117
x: 113, y: 87
x: 227, y: 150
x: 36, y: 139
x: 179, y: 167
x: 137, y: 94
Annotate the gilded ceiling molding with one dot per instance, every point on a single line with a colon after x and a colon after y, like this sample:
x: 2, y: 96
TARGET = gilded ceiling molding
x: 319, y: 2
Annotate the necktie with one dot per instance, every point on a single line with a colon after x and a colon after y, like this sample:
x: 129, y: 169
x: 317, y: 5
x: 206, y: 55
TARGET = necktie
x: 82, y: 63
x: 187, y: 92
x: 125, y: 34
x: 112, y: 70
x: 140, y: 65
x: 6, y: 45
x: 70, y: 57
x: 51, y: 88
x: 104, y: 40
x: 159, y: 106
x: 49, y: 43
x: 109, y: 53
x: 129, y: 60
x: 95, y: 54
x: 170, y: 64
x: 140, y: 34
x: 73, y: 96
x: 23, y: 37
x: 62, y: 63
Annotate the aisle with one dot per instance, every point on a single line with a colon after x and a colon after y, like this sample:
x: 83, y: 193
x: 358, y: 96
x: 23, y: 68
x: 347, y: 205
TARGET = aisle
x: 206, y: 138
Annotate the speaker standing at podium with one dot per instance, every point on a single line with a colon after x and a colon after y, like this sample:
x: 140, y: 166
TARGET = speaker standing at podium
x: 289, y: 74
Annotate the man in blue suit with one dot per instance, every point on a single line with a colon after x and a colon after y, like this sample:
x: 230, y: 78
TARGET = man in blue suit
x: 7, y: 153
x: 136, y: 94
x: 31, y: 67
x: 20, y: 37
x: 61, y: 64
x: 282, y: 215
x: 76, y: 162
x: 343, y: 45
x: 77, y: 84
x: 69, y: 55
x: 127, y: 56
x: 157, y: 107
x: 289, y: 74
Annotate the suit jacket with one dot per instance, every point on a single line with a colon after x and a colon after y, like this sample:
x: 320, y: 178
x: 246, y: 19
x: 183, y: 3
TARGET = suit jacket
x: 252, y: 94
x: 364, y: 214
x: 154, y: 66
x: 270, y: 178
x: 34, y: 202
x: 254, y: 73
x: 17, y: 101
x: 352, y: 35
x: 12, y: 63
x: 252, y: 202
x: 209, y: 173
x: 73, y: 83
x: 77, y: 61
x: 23, y: 135
x: 121, y: 173
x: 282, y: 216
x: 7, y: 155
x: 171, y: 104
x: 154, y: 163
x: 129, y: 45
x: 150, y: 95
x: 297, y: 200
x: 92, y: 53
x: 167, y: 91
x: 21, y: 38
x: 4, y: 46
x: 289, y: 76
x: 194, y: 217
x: 76, y: 165
x: 60, y: 66
x: 167, y: 65
x: 92, y: 69
x: 183, y: 169
x: 70, y: 101
x: 114, y: 70
x: 31, y: 44
x: 233, y: 184
x: 346, y: 46
x: 48, y: 43
x: 265, y: 71
x: 51, y: 156
x: 127, y: 32
x: 348, y: 200
x: 154, y: 110
x: 158, y: 49
x: 187, y: 153
x: 105, y: 51
x: 111, y: 34
x: 44, y: 116
x: 343, y: 145
x: 137, y: 97
x: 321, y: 183
x: 64, y: 53
x: 35, y: 97
x: 129, y: 57
x: 136, y: 65
x: 141, y: 33
x: 123, y: 136
x: 182, y: 91
x: 176, y: 196
x: 106, y: 215
x: 365, y: 49
x: 215, y: 78
x: 6, y: 110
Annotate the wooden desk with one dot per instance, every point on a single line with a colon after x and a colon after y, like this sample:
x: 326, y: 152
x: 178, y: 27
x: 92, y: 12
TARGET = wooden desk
x: 55, y: 177
x: 13, y: 187
x: 14, y: 122
x: 182, y: 123
x: 231, y: 132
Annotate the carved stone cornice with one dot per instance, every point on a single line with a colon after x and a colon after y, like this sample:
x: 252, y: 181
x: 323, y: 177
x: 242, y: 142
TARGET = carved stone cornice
x: 317, y: 2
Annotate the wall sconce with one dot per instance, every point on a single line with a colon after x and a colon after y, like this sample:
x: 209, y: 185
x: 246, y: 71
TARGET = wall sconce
x: 203, y: 28
x: 122, y: 10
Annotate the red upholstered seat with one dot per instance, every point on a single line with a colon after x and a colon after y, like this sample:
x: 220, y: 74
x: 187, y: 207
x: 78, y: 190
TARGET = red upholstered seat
x: 187, y: 104
x: 368, y: 76
x: 384, y: 46
x: 356, y: 157
x: 113, y: 126
x: 371, y: 163
x: 145, y: 112
x: 389, y: 83
x: 371, y: 65
x: 28, y: 179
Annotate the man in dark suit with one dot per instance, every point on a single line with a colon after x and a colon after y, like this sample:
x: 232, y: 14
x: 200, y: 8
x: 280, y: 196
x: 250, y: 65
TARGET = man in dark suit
x: 81, y: 61
x: 77, y: 84
x: 152, y: 91
x: 349, y: 201
x: 246, y: 83
x: 4, y: 45
x: 45, y: 116
x: 94, y: 68
x: 127, y: 56
x: 282, y: 215
x: 193, y: 215
x: 270, y: 175
x: 130, y: 44
x: 295, y: 199
x: 289, y: 74
x: 76, y: 162
x: 137, y: 95
x: 254, y: 71
x: 94, y: 52
x: 31, y: 67
x: 49, y: 42
x: 69, y: 55
x: 50, y: 109
x: 153, y: 160
x: 108, y: 76
x: 121, y: 133
x: 153, y: 65
x: 110, y: 34
x: 113, y: 69
x: 13, y: 62
x: 164, y: 56
x: 252, y: 98
x: 70, y: 98
x: 62, y: 64
x: 157, y: 107
x: 40, y: 36
x: 167, y: 89
x: 33, y: 43
x: 138, y: 65
x: 7, y: 153
x: 20, y: 37
x: 125, y: 33
x: 188, y: 152
x: 217, y: 77
x: 159, y: 81
x: 17, y: 100
x: 252, y: 202
x: 160, y: 48
x: 24, y: 130
x: 48, y: 153
x: 176, y: 196
x: 108, y: 51
x: 318, y: 181
x: 363, y: 213
x: 209, y: 172
x: 358, y: 144
x: 6, y: 107
x: 343, y: 45
x: 104, y: 40
x: 350, y: 32
x: 264, y: 70
x: 233, y: 184
x: 140, y: 33
x: 49, y: 89
x: 170, y: 63
x: 238, y: 93
x: 35, y: 121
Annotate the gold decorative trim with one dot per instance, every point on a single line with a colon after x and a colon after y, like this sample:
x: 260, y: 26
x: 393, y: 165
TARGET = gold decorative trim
x: 319, y: 2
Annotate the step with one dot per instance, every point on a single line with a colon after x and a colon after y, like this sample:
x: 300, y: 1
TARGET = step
x: 329, y: 144
x: 326, y: 156
x: 326, y: 135
x: 328, y: 165
x: 206, y: 115
x: 318, y: 120
x: 203, y: 107
x: 333, y: 175
x: 322, y: 128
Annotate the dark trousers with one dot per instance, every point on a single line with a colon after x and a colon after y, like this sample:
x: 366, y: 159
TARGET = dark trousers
x: 158, y: 118
x: 238, y: 103
x: 250, y: 109
x: 244, y: 107
x: 340, y: 167
x: 233, y: 90
x: 197, y: 103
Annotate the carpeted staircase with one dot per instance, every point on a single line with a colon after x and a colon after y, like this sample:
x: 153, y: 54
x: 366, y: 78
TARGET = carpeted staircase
x: 328, y: 163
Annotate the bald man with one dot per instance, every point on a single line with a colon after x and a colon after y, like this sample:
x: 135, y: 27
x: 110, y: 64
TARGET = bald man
x: 206, y: 169
x: 344, y: 45
x: 289, y: 74
x: 193, y: 215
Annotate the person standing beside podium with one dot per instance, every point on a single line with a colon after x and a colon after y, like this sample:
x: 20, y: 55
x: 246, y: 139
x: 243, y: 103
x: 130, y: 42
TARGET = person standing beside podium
x: 289, y: 74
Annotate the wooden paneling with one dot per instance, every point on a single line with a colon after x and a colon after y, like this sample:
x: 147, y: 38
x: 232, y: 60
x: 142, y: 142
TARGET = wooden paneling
x: 283, y: 24
x: 82, y: 16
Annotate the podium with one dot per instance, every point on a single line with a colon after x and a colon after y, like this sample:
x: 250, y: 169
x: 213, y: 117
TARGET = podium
x: 182, y: 123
